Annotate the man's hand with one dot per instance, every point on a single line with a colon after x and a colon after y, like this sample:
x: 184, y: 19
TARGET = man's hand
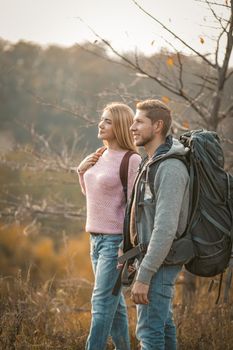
x: 139, y: 293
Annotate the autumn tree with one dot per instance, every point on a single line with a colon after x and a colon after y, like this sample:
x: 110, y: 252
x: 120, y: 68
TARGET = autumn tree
x: 208, y: 90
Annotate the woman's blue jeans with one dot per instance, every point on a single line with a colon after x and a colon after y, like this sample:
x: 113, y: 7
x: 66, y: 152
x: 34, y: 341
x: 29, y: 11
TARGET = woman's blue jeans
x: 155, y: 327
x: 109, y: 313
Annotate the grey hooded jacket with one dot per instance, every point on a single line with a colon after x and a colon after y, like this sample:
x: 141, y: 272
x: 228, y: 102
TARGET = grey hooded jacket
x: 161, y: 218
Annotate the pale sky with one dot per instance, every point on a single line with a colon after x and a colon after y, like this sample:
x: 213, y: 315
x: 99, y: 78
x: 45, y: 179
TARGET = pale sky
x: 120, y: 21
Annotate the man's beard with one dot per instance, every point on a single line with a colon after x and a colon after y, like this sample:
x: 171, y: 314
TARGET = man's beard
x: 145, y: 140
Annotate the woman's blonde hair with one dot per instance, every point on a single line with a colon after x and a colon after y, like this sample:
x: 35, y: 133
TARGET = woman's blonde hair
x: 122, y: 119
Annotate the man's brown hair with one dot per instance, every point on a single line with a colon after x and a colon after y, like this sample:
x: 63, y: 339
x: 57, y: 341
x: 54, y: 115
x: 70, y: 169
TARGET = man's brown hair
x: 157, y: 110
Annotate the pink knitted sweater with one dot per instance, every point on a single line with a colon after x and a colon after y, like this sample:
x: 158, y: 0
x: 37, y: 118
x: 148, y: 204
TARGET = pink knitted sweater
x: 105, y: 198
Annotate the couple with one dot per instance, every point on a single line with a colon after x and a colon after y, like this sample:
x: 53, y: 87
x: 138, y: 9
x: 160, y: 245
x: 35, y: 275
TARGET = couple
x: 154, y: 219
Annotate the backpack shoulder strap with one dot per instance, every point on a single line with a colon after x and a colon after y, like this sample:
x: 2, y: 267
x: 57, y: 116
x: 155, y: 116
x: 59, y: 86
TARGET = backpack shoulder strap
x: 154, y: 167
x: 124, y: 167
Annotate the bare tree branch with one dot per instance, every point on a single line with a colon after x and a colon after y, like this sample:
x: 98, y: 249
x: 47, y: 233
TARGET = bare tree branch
x: 164, y: 84
x: 175, y: 84
x: 214, y: 3
x: 72, y: 111
x: 219, y: 19
x: 229, y: 75
x: 227, y: 113
x: 175, y: 35
x: 105, y: 57
x: 194, y: 105
x: 218, y: 43
x: 222, y: 74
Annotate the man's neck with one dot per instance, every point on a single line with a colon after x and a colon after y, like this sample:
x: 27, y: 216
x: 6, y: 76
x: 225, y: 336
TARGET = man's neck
x: 153, y: 145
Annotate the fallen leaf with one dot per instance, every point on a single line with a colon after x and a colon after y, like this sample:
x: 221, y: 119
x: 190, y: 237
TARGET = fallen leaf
x: 170, y: 61
x: 165, y: 99
x: 185, y: 124
x: 202, y: 40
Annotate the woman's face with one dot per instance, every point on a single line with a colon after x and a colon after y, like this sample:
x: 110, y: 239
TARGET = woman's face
x: 105, y: 127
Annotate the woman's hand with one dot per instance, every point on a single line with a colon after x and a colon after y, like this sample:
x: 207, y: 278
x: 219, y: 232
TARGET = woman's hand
x: 89, y: 161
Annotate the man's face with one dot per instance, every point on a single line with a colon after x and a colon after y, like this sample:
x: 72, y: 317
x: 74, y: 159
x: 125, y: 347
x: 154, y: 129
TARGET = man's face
x: 142, y: 129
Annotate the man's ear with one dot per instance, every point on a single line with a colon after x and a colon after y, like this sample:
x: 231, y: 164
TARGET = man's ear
x: 158, y: 126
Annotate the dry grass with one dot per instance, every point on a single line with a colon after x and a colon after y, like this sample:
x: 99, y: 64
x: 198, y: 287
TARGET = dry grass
x: 55, y: 314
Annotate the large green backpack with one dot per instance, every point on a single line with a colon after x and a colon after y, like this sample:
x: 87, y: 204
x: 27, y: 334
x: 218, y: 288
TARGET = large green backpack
x: 207, y: 242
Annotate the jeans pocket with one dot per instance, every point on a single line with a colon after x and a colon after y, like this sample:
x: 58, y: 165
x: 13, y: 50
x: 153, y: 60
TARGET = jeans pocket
x: 110, y: 246
x: 170, y: 274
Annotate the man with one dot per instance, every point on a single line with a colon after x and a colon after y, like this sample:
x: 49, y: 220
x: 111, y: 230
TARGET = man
x: 155, y: 217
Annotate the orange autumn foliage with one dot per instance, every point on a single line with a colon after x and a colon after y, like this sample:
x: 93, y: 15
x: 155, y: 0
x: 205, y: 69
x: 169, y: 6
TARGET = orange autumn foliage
x: 21, y: 252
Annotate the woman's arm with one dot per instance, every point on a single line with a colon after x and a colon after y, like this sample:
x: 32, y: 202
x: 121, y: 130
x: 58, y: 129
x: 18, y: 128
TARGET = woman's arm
x: 81, y: 181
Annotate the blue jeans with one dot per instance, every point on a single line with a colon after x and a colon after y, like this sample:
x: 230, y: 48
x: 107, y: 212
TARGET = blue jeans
x: 155, y: 327
x: 109, y: 313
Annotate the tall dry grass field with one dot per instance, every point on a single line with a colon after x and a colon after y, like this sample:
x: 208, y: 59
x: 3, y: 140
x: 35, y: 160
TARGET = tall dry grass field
x: 45, y: 303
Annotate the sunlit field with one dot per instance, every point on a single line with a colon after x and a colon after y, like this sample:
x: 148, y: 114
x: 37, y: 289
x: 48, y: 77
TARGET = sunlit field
x: 46, y: 304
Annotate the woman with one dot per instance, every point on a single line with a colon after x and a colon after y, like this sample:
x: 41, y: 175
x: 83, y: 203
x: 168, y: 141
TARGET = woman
x: 100, y: 182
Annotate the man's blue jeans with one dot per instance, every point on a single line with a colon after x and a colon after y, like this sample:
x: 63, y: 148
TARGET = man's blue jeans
x: 109, y: 313
x: 155, y: 327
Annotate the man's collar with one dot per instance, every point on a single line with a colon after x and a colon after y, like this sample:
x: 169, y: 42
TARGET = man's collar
x: 163, y: 148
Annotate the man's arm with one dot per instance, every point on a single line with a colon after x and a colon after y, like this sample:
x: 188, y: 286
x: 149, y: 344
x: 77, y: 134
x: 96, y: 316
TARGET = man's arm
x: 170, y: 184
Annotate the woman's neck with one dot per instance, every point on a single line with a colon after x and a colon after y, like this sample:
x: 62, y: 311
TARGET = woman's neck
x: 113, y: 145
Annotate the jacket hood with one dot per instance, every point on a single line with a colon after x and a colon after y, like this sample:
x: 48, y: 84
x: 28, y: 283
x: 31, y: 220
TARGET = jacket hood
x: 177, y: 148
x: 172, y: 146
